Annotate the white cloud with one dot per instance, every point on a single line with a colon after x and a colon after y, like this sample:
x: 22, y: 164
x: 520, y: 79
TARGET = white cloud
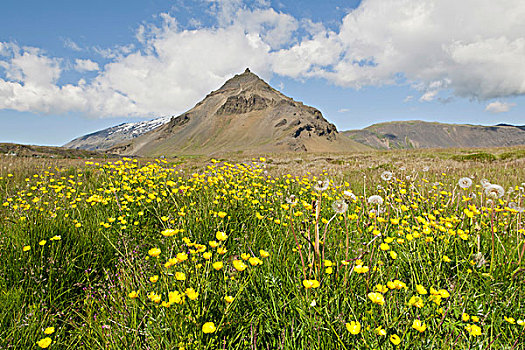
x: 499, y: 107
x: 470, y: 48
x: 72, y: 45
x: 428, y: 96
x: 408, y: 98
x: 343, y: 110
x: 86, y: 65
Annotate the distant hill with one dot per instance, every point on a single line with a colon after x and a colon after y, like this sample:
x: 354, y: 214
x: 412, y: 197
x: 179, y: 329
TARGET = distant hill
x: 17, y: 150
x: 244, y: 115
x: 105, y: 139
x: 420, y: 134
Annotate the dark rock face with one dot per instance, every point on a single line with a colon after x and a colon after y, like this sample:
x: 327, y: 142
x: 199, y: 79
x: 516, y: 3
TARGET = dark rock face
x: 327, y: 130
x: 241, y: 104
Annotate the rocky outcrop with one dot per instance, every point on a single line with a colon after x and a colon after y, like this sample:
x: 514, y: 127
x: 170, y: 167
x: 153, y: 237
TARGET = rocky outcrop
x: 242, y: 104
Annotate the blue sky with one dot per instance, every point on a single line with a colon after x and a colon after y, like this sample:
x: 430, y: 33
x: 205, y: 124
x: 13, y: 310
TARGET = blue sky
x: 72, y: 67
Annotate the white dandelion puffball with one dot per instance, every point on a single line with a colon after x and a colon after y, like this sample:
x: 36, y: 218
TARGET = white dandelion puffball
x: 340, y: 206
x: 322, y: 185
x: 485, y: 183
x: 349, y: 195
x: 465, y: 182
x: 375, y: 199
x: 494, y: 191
x: 386, y: 175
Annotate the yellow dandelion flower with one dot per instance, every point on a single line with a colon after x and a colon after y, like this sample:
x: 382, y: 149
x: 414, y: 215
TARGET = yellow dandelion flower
x: 218, y: 265
x: 154, y: 252
x: 208, y: 327
x: 44, y: 343
x: 354, y: 327
x: 49, y: 330
x: 26, y: 248
x: 377, y: 298
x: 228, y: 299
x: 311, y: 284
x: 133, y: 294
x: 239, y: 265
x: 221, y: 236
x: 180, y: 276
x: 394, y: 339
x: 419, y: 326
x: 154, y: 279
x: 264, y: 253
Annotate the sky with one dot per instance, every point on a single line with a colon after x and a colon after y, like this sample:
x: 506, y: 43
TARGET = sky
x: 68, y: 68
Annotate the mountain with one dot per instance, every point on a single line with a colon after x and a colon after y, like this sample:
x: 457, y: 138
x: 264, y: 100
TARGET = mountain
x: 105, y: 139
x: 419, y: 134
x: 18, y: 150
x: 244, y: 115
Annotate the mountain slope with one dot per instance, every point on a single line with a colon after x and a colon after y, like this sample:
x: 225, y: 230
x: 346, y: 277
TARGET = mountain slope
x: 419, y: 134
x: 105, y: 139
x: 245, y: 114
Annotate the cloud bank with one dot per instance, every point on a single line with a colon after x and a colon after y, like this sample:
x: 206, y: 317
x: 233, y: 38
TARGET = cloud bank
x: 471, y: 49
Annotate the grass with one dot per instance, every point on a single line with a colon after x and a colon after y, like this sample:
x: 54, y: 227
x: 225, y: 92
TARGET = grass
x: 122, y: 254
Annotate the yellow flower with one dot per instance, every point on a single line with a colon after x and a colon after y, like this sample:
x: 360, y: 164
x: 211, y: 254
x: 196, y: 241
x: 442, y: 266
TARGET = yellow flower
x: 26, y: 248
x: 182, y: 257
x: 168, y: 232
x: 311, y: 284
x: 208, y: 327
x: 510, y: 320
x: 228, y: 299
x: 446, y: 259
x: 218, y: 265
x: 254, y: 261
x: 353, y: 327
x: 221, y: 250
x: 154, y: 279
x: 473, y: 330
x: 239, y: 265
x: 180, y: 276
x: 154, y: 297
x: 329, y: 270
x: 444, y: 293
x: 221, y: 236
x: 175, y: 297
x: 421, y: 290
x: 361, y: 269
x: 192, y: 294
x: 419, y: 326
x: 384, y: 246
x: 42, y: 242
x: 394, y: 338
x: 49, y: 330
x: 377, y: 298
x: 380, y: 331
x: 381, y: 288
x: 133, y: 294
x: 154, y: 252
x: 213, y: 244
x: 55, y: 238
x: 206, y: 255
x: 393, y: 255
x: 221, y: 214
x: 245, y: 256
x: 475, y: 319
x: 264, y: 253
x: 44, y: 343
x: 416, y: 301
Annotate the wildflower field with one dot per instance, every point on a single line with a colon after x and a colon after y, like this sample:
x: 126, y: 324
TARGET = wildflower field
x: 374, y: 251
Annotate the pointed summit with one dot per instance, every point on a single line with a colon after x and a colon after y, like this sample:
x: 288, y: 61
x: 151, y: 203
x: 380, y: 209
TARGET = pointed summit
x: 243, y: 115
x: 245, y: 81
